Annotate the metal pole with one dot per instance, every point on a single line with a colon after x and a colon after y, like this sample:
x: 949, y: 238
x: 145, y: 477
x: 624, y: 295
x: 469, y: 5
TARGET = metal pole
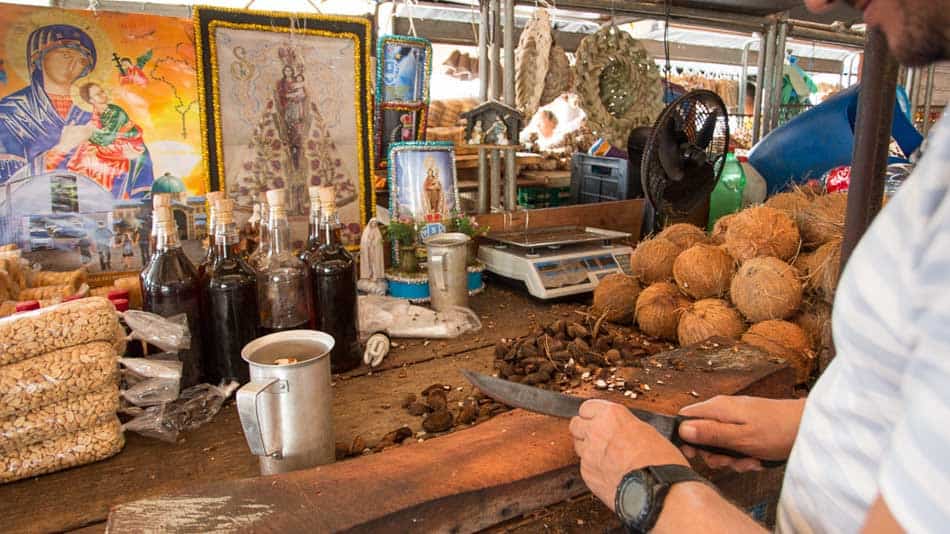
x: 494, y: 88
x: 511, y: 173
x: 929, y: 96
x: 779, y: 75
x: 744, y: 75
x: 760, y: 79
x: 872, y: 135
x: 483, y: 96
x: 765, y: 83
x: 914, y: 90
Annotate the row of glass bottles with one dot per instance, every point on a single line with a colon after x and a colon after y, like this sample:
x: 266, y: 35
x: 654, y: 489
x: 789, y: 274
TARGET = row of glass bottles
x: 272, y: 291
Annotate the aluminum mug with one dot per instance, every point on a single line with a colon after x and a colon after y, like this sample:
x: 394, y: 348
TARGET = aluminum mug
x: 285, y: 409
x: 448, y: 275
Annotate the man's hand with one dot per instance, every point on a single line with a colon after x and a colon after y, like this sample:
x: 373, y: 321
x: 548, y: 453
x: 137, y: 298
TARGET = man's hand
x: 761, y: 428
x: 611, y: 442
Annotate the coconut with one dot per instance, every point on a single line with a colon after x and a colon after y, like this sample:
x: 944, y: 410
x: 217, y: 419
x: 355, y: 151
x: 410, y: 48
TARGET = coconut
x: 825, y: 270
x: 785, y: 340
x: 718, y: 234
x: 652, y: 261
x: 766, y: 288
x: 762, y: 231
x: 616, y: 295
x: 659, y: 309
x: 683, y: 235
x: 815, y: 321
x: 805, y: 265
x: 704, y: 271
x: 793, y: 203
x: 709, y: 318
x: 823, y: 220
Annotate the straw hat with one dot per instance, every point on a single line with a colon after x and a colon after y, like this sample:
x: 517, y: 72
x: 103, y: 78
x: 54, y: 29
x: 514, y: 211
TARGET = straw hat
x: 531, y: 61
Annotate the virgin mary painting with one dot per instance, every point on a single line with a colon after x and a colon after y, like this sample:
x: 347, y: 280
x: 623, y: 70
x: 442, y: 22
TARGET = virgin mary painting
x: 41, y: 127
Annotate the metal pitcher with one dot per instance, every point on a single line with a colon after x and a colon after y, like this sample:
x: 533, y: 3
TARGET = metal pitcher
x: 286, y: 407
x: 448, y: 277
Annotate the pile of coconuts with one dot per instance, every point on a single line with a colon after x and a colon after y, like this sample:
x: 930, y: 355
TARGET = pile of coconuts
x: 765, y: 275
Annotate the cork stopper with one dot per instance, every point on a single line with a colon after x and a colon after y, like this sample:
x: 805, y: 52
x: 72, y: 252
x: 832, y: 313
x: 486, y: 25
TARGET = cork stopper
x: 214, y: 196
x: 328, y: 199
x: 161, y: 199
x: 225, y: 209
x: 275, y: 197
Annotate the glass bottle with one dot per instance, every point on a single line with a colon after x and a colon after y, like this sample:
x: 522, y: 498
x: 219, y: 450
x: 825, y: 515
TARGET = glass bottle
x: 204, y: 268
x: 230, y: 299
x: 283, y: 281
x: 333, y: 272
x: 313, y: 240
x: 159, y: 200
x: 170, y: 287
x: 257, y: 258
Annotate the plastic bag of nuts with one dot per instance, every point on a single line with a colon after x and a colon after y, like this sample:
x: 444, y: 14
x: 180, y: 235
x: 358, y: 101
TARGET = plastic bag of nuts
x: 59, y: 419
x: 64, y: 325
x: 83, y: 447
x: 70, y: 372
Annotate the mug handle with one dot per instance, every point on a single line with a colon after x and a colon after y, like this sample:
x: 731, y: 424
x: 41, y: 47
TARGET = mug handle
x: 248, y: 409
x: 440, y: 268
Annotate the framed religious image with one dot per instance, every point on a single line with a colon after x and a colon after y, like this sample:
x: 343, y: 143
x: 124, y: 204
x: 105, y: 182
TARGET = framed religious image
x: 98, y: 112
x: 422, y: 183
x: 400, y: 124
x: 403, y: 69
x: 286, y: 104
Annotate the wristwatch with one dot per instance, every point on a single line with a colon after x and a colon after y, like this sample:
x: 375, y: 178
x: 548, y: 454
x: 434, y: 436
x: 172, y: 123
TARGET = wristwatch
x: 640, y: 495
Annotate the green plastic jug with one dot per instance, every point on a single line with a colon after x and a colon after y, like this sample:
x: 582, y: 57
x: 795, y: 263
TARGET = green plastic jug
x: 726, y: 198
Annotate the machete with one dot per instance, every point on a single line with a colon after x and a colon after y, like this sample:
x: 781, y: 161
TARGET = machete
x: 566, y: 406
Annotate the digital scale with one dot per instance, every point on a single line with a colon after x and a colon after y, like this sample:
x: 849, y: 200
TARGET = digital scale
x: 559, y: 261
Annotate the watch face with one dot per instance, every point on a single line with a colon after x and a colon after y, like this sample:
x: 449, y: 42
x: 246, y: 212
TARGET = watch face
x: 635, y: 498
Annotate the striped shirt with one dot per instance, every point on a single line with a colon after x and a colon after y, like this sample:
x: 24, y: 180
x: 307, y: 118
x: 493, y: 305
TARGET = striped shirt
x: 878, y: 420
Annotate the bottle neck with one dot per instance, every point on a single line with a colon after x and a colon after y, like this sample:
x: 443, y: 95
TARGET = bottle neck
x: 329, y: 229
x: 315, y: 217
x: 166, y: 236
x: 263, y: 231
x: 227, y: 242
x: 279, y: 228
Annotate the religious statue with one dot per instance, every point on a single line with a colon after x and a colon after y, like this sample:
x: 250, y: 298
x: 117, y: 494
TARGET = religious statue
x: 372, y: 268
x: 477, y: 134
x: 433, y: 195
x: 498, y: 131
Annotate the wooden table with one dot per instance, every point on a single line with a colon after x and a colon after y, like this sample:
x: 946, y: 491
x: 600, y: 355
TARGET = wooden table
x: 366, y: 404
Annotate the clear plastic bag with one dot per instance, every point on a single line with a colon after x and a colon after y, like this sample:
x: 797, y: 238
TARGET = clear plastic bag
x: 29, y: 334
x: 58, y: 375
x: 196, y: 406
x: 400, y: 318
x: 82, y: 447
x: 59, y: 419
x: 169, y: 334
x: 153, y: 380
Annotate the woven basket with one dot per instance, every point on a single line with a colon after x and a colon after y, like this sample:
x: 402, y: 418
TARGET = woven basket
x: 560, y: 76
x: 531, y: 62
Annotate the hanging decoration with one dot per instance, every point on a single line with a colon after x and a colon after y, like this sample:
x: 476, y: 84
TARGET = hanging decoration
x: 559, y: 78
x: 618, y: 84
x: 531, y: 62
x: 403, y: 74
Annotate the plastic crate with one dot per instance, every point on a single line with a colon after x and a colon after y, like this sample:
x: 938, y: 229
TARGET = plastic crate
x: 602, y: 179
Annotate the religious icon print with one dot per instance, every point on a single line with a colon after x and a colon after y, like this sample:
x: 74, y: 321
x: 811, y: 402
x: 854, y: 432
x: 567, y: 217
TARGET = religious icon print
x: 96, y: 111
x: 422, y: 181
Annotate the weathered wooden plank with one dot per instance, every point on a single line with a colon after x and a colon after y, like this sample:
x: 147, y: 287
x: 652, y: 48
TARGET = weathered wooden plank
x: 461, y: 482
x: 621, y: 215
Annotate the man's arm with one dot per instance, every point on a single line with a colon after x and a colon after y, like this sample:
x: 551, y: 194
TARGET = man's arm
x: 611, y: 442
x: 880, y: 520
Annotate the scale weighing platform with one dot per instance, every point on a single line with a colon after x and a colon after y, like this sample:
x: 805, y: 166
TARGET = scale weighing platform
x: 556, y: 262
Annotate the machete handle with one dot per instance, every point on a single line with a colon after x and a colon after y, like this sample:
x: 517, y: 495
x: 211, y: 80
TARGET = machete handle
x: 678, y: 441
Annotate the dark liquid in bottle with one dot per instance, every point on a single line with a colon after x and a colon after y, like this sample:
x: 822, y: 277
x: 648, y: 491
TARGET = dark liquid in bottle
x: 232, y: 322
x: 170, y: 287
x: 334, y: 293
x: 302, y: 326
